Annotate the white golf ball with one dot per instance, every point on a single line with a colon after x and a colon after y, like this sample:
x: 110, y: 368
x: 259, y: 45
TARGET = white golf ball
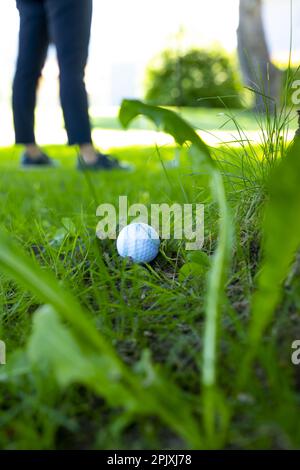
x: 138, y: 241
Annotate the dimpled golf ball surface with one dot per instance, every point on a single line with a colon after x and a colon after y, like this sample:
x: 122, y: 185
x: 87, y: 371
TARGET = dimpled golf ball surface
x: 138, y: 241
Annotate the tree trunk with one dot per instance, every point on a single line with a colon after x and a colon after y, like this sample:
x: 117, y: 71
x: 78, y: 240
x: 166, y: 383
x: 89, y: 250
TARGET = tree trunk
x: 257, y: 70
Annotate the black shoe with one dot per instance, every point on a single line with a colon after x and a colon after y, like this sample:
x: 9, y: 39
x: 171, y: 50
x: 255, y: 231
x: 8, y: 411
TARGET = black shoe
x: 40, y: 162
x: 103, y: 163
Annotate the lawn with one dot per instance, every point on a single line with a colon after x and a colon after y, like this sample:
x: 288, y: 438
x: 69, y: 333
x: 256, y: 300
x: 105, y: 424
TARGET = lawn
x: 152, y: 317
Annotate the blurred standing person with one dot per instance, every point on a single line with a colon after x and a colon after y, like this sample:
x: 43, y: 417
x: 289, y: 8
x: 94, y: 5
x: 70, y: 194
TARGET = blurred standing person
x: 66, y: 23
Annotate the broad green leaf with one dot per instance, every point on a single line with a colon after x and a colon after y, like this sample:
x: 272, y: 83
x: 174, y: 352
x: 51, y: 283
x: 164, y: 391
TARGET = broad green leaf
x: 52, y: 344
x: 199, y: 257
x: 165, y: 120
x: 191, y: 270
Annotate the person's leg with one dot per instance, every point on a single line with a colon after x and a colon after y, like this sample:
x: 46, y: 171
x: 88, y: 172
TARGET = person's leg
x: 70, y: 26
x: 33, y: 45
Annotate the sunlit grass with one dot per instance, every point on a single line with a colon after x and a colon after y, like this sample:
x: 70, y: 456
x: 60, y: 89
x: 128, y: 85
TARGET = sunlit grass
x: 148, y: 315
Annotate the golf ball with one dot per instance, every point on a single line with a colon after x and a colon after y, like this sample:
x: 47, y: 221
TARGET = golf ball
x: 138, y: 241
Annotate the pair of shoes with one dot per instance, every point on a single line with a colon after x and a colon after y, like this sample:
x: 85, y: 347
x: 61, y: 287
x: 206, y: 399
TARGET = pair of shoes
x: 102, y: 163
x: 42, y: 161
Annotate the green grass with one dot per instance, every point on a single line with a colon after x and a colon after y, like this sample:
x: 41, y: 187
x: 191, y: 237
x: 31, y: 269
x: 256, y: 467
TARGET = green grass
x: 151, y: 317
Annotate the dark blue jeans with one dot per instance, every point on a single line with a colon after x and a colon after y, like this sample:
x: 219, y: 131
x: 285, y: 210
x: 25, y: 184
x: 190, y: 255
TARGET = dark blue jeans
x: 66, y: 23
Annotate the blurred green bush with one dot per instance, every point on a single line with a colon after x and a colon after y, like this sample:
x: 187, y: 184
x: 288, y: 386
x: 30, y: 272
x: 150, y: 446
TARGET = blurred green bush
x: 194, y: 78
